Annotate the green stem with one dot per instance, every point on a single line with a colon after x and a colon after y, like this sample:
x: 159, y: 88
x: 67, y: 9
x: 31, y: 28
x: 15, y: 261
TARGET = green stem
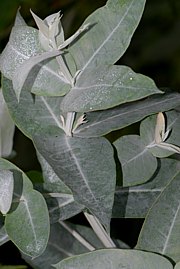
x: 100, y: 231
x: 76, y: 235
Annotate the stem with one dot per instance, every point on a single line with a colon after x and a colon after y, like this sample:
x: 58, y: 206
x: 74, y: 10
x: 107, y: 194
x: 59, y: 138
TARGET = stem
x: 65, y: 71
x: 81, y: 239
x: 100, y: 231
x: 69, y: 123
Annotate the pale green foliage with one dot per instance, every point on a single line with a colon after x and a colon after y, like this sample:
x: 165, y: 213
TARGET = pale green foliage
x: 66, y: 95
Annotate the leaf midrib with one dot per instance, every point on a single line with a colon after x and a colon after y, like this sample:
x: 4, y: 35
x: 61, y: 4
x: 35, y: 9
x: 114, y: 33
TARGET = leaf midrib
x: 105, y: 41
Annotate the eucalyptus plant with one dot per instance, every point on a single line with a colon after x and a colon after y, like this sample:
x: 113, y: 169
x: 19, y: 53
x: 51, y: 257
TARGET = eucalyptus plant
x: 67, y: 96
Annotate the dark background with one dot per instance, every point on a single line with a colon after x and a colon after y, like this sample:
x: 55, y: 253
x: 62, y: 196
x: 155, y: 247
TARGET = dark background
x: 154, y: 51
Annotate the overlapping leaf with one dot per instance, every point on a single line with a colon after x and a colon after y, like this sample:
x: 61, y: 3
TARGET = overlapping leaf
x: 109, y: 35
x: 86, y: 166
x: 27, y: 222
x: 32, y: 112
x: 23, y: 45
x: 6, y: 190
x: 107, y: 87
x: 135, y: 201
x: 137, y: 156
x: 138, y: 165
x: 160, y: 232
x: 102, y: 122
x: 172, y: 127
x: 59, y: 198
x: 6, y: 129
x: 116, y: 259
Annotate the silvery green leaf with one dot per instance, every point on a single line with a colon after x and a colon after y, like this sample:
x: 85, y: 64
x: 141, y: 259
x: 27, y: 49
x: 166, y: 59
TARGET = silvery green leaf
x: 51, y: 33
x: 102, y: 122
x: 59, y: 198
x: 19, y: 21
x: 116, y: 259
x: 21, y: 73
x: 24, y: 221
x: 6, y: 190
x: 107, y: 87
x: 160, y: 231
x: 135, y: 201
x: 39, y: 112
x: 170, y: 145
x: 138, y: 164
x: 41, y: 24
x: 44, y: 78
x: 109, y: 35
x: 63, y: 244
x: 89, y: 171
x: 6, y: 129
x: 28, y: 212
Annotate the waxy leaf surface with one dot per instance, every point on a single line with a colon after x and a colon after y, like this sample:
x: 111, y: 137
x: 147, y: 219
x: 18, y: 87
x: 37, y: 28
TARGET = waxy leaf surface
x: 116, y: 259
x: 160, y: 232
x: 109, y: 34
x: 6, y: 190
x: 138, y: 165
x: 102, y: 122
x: 135, y: 201
x: 107, y: 87
x: 86, y: 166
x: 39, y: 112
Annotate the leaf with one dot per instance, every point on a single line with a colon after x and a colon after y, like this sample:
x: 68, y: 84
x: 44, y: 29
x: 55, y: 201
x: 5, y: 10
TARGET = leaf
x: 86, y: 166
x: 43, y: 78
x: 116, y: 259
x: 147, y: 133
x: 63, y: 244
x: 102, y: 122
x: 134, y: 202
x: 38, y: 112
x: 160, y: 232
x: 138, y: 165
x: 6, y: 129
x: 111, y: 29
x: 27, y: 223
x: 6, y: 190
x: 59, y: 198
x: 107, y: 87
x: 177, y: 266
x: 22, y: 72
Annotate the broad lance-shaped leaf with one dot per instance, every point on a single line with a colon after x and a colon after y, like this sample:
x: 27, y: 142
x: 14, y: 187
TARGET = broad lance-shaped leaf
x: 102, y: 122
x: 138, y: 164
x: 24, y: 44
x: 21, y: 73
x: 107, y: 87
x: 86, y: 166
x: 116, y: 259
x: 27, y: 222
x: 6, y: 190
x: 38, y: 112
x: 59, y: 198
x: 160, y: 232
x: 109, y: 35
x: 135, y: 201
